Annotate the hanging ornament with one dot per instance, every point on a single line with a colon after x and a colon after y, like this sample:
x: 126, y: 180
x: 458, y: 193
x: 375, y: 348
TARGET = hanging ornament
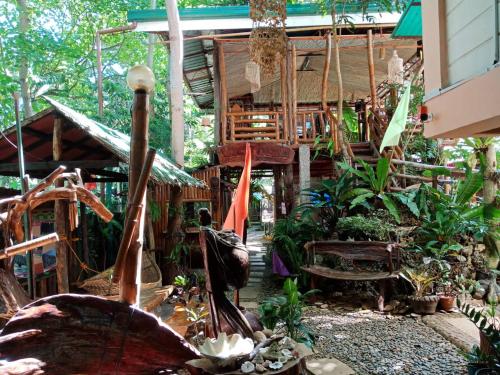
x: 252, y: 75
x: 395, y: 69
x: 268, y: 40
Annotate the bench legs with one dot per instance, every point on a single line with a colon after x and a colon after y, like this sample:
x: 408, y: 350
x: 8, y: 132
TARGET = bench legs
x: 383, y: 293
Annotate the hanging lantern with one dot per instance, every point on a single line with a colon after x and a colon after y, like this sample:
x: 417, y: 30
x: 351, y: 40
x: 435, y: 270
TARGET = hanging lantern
x: 252, y: 75
x: 268, y: 40
x: 395, y: 69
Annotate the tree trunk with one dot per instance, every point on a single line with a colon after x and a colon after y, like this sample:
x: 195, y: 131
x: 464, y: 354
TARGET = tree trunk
x: 176, y: 82
x: 489, y: 194
x: 24, y: 26
x: 342, y: 139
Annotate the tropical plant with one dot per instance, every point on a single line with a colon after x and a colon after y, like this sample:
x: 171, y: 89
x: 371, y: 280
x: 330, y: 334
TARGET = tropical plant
x: 330, y: 200
x: 364, y: 228
x: 420, y: 279
x: 285, y: 312
x: 291, y: 233
x: 375, y: 181
x: 489, y: 327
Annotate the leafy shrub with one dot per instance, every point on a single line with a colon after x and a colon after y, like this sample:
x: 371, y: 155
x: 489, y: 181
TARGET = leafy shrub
x: 287, y: 310
x: 364, y: 228
x: 290, y: 235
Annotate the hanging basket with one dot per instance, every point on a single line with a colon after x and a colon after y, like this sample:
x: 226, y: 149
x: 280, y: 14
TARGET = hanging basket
x: 267, y: 48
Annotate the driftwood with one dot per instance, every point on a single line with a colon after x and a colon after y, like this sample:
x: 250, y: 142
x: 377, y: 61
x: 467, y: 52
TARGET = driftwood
x: 29, y: 245
x: 74, y: 334
x: 12, y: 296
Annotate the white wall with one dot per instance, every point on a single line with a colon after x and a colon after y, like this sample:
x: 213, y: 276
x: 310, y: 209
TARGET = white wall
x: 470, y: 30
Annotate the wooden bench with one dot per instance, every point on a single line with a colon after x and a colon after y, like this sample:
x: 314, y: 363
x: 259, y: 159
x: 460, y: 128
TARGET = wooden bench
x: 372, y: 251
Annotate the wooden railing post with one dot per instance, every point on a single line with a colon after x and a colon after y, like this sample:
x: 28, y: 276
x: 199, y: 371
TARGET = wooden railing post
x: 283, y: 101
x: 223, y: 92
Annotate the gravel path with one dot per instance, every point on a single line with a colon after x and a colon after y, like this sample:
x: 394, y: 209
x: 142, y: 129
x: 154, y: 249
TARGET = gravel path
x: 377, y: 344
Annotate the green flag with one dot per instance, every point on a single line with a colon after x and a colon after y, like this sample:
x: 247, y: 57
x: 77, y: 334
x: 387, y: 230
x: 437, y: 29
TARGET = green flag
x: 398, y: 121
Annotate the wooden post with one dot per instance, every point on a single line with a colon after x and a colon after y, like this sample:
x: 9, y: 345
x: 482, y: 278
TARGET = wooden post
x: 223, y: 92
x: 283, y: 99
x: 84, y: 230
x: 60, y: 215
x: 326, y: 71
x: 176, y: 81
x: 289, y: 191
x: 304, y: 171
x: 289, y: 89
x: 371, y: 71
x: 216, y: 201
x: 173, y: 229
x: 294, y: 89
x: 278, y: 191
x: 217, y: 99
x: 100, y: 99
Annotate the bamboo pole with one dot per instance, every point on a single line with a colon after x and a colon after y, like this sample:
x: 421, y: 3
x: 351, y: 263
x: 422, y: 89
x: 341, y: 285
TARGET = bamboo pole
x: 24, y: 189
x: 371, y: 70
x: 289, y: 90
x: 29, y: 245
x: 326, y: 71
x: 284, y: 99
x: 60, y: 215
x: 223, y: 91
x: 294, y: 90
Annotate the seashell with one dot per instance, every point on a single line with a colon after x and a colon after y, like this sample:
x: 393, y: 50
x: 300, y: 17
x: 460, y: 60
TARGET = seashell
x: 283, y: 359
x: 224, y: 350
x: 286, y: 353
x: 276, y: 365
x: 286, y: 343
x: 247, y: 367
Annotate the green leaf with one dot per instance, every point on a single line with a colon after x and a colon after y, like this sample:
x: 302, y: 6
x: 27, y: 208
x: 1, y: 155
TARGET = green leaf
x: 391, y: 207
x: 468, y: 187
x: 360, y: 199
x: 382, y: 173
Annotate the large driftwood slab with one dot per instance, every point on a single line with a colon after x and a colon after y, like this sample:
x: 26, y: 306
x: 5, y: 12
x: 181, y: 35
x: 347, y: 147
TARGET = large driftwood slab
x: 76, y: 334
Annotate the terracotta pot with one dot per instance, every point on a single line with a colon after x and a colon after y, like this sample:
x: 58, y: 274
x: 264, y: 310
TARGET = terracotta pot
x: 447, y: 303
x: 424, y: 305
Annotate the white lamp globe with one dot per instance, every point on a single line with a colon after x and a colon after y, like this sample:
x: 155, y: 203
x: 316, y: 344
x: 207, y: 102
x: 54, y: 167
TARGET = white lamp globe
x: 140, y: 77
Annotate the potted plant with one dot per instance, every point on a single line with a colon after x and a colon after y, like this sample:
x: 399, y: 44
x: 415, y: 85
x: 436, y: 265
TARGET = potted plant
x: 476, y: 360
x: 489, y: 334
x: 422, y: 302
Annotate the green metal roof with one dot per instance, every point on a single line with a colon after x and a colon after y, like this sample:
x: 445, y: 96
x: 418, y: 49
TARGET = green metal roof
x: 240, y: 11
x: 118, y: 143
x: 410, y: 24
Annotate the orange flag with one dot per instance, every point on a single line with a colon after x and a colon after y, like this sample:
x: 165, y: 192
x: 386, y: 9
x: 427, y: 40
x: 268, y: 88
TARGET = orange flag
x: 238, y: 211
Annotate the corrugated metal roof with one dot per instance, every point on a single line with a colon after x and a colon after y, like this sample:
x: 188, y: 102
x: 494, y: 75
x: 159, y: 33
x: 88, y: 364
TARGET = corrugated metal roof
x: 410, y: 24
x: 242, y: 11
x: 118, y: 143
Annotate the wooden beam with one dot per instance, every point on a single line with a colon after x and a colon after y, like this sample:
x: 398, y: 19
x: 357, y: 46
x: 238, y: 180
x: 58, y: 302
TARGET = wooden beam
x: 60, y: 214
x: 294, y: 94
x: 29, y: 245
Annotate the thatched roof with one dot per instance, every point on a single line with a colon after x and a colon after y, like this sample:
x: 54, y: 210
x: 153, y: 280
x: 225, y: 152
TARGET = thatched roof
x: 310, y: 62
x: 85, y: 141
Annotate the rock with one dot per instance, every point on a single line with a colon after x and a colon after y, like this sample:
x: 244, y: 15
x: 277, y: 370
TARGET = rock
x: 259, y: 336
x: 247, y: 367
x: 415, y: 316
x: 260, y: 368
x: 324, y: 306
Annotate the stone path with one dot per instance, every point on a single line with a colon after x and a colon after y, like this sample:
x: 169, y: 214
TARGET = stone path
x: 257, y: 250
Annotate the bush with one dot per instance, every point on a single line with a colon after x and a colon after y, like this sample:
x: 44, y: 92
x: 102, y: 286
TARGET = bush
x: 362, y: 228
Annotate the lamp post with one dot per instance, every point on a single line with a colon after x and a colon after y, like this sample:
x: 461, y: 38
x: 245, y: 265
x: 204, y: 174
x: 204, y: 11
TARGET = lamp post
x: 141, y: 80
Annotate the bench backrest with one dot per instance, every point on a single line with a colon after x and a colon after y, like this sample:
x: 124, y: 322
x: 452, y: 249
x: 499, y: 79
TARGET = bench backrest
x: 357, y: 250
